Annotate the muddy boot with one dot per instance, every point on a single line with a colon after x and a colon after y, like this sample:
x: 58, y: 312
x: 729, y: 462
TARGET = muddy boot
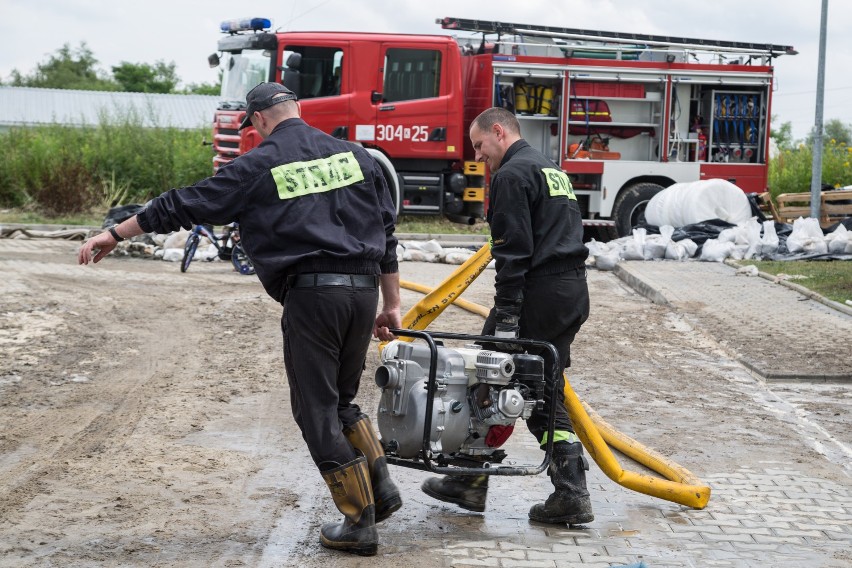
x: 570, y: 503
x: 362, y: 437
x: 466, y: 491
x: 350, y: 489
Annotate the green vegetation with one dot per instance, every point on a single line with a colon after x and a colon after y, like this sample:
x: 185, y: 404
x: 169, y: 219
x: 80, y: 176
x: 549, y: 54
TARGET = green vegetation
x: 438, y: 225
x: 92, y: 218
x: 77, y: 69
x: 790, y: 171
x: 143, y: 78
x: 60, y: 170
x: 832, y: 279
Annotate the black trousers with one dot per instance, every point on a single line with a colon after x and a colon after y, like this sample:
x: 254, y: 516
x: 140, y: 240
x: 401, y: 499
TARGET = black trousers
x: 555, y: 307
x: 327, y: 332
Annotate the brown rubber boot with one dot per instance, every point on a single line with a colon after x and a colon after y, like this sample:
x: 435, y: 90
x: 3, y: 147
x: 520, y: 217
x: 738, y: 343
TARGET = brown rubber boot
x: 466, y: 491
x: 362, y: 437
x: 570, y: 503
x: 350, y: 488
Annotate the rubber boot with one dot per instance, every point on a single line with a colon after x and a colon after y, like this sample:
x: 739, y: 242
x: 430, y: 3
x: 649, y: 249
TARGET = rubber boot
x: 466, y: 491
x: 570, y: 503
x: 350, y: 488
x: 362, y: 437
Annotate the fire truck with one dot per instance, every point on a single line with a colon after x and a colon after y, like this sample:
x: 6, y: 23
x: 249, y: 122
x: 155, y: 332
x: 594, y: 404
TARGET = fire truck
x: 624, y: 115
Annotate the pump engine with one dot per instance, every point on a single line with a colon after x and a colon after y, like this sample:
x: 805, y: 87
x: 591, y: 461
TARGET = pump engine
x: 478, y: 396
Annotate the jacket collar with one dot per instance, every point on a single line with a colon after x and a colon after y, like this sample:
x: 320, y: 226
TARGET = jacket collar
x: 286, y: 124
x: 513, y: 149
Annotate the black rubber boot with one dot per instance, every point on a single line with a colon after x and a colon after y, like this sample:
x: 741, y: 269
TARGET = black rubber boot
x: 570, y: 503
x: 466, y: 491
x: 350, y: 488
x: 362, y: 437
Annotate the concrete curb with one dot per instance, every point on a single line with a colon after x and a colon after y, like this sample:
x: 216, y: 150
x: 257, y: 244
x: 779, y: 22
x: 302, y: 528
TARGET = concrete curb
x: 47, y: 227
x: 640, y: 286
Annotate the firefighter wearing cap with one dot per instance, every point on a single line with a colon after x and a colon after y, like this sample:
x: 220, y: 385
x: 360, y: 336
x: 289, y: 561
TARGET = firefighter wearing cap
x: 541, y: 293
x: 317, y: 220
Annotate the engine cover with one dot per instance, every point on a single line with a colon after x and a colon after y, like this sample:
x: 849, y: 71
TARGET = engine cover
x: 475, y: 390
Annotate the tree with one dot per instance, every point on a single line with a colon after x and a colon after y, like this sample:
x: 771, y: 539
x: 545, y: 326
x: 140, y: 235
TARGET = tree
x: 835, y: 130
x: 67, y: 69
x: 203, y: 88
x: 146, y: 78
x: 783, y: 135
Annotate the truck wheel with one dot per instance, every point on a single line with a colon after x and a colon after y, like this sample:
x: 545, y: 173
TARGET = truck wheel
x: 629, y: 208
x: 393, y: 179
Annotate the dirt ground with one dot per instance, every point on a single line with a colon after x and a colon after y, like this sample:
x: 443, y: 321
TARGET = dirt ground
x: 145, y: 418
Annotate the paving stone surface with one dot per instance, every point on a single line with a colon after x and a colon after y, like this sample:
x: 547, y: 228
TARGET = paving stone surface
x: 753, y: 317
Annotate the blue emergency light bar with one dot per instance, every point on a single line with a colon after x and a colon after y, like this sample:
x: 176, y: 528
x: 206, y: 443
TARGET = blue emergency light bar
x: 245, y: 25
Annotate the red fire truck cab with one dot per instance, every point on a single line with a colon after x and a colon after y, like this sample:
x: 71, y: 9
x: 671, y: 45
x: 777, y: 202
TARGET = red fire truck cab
x: 625, y: 115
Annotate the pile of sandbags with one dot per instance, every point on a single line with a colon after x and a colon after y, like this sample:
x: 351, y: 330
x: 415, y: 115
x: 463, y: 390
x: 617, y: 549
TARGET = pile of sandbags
x: 747, y: 240
x: 433, y: 251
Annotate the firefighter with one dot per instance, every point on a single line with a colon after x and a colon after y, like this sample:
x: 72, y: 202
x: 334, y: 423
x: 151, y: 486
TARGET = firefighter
x: 317, y: 220
x: 540, y: 293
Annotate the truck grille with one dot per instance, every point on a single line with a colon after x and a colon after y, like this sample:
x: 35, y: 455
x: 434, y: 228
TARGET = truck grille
x: 227, y: 140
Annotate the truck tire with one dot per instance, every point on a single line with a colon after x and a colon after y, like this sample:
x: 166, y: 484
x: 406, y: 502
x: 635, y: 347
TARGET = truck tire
x: 629, y: 208
x: 393, y: 179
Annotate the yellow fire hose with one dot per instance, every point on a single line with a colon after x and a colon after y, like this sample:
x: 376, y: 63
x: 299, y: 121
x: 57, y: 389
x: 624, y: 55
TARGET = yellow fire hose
x: 447, y: 292
x: 680, y: 486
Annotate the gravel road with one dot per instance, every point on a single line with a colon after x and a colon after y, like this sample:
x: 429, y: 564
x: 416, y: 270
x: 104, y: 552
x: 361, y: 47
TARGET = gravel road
x: 145, y: 419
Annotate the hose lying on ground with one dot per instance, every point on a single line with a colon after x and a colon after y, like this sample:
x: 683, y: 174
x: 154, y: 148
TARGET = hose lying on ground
x: 680, y: 487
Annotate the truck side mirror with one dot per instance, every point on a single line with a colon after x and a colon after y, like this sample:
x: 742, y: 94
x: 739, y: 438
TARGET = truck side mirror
x: 213, y: 60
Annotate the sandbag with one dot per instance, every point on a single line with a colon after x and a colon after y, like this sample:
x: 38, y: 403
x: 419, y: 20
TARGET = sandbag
x: 121, y: 213
x: 693, y: 202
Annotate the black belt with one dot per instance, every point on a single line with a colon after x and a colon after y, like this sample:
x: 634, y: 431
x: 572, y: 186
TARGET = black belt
x: 325, y: 279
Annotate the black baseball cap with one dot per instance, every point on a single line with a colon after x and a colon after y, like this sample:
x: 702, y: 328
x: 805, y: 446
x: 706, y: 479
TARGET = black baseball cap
x: 264, y: 96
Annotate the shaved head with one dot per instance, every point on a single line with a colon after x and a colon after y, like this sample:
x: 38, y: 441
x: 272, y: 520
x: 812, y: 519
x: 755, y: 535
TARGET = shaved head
x: 497, y: 115
x: 491, y: 135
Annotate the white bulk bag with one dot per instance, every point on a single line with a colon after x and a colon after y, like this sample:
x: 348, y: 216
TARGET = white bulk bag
x: 687, y: 203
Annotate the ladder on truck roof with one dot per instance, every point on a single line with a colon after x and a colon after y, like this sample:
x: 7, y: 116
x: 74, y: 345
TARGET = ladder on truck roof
x: 487, y: 27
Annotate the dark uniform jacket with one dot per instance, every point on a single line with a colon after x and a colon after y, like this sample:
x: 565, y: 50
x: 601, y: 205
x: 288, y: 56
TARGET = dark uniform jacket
x: 536, y: 225
x: 305, y: 202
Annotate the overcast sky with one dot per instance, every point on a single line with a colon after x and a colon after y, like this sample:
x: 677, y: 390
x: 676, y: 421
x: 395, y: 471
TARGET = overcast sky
x: 186, y: 31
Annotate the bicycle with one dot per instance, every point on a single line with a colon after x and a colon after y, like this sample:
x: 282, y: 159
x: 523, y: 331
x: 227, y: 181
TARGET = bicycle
x: 227, y: 244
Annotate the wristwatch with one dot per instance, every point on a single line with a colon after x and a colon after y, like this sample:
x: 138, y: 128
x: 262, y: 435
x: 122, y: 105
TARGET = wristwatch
x: 118, y: 238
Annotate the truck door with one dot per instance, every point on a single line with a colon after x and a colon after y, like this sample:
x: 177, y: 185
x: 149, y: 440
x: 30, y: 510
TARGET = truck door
x: 316, y: 73
x: 412, y: 101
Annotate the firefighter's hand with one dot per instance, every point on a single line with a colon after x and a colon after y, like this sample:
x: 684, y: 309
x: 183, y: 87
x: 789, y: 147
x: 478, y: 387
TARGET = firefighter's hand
x: 96, y: 248
x: 386, y: 320
x: 507, y: 333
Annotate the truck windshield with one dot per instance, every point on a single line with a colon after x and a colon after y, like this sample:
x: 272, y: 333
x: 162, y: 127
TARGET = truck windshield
x: 242, y: 72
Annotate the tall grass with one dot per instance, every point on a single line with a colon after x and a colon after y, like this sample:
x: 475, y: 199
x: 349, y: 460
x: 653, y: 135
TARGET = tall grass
x: 59, y: 170
x: 790, y: 171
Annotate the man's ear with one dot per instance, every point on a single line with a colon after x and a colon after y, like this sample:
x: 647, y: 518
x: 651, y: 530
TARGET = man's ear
x: 299, y: 109
x: 498, y: 131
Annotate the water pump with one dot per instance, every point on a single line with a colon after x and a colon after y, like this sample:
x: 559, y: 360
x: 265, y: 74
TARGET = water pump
x: 469, y: 398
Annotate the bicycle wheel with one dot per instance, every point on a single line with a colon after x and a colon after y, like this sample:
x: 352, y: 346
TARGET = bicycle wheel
x: 189, y: 251
x: 241, y: 261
